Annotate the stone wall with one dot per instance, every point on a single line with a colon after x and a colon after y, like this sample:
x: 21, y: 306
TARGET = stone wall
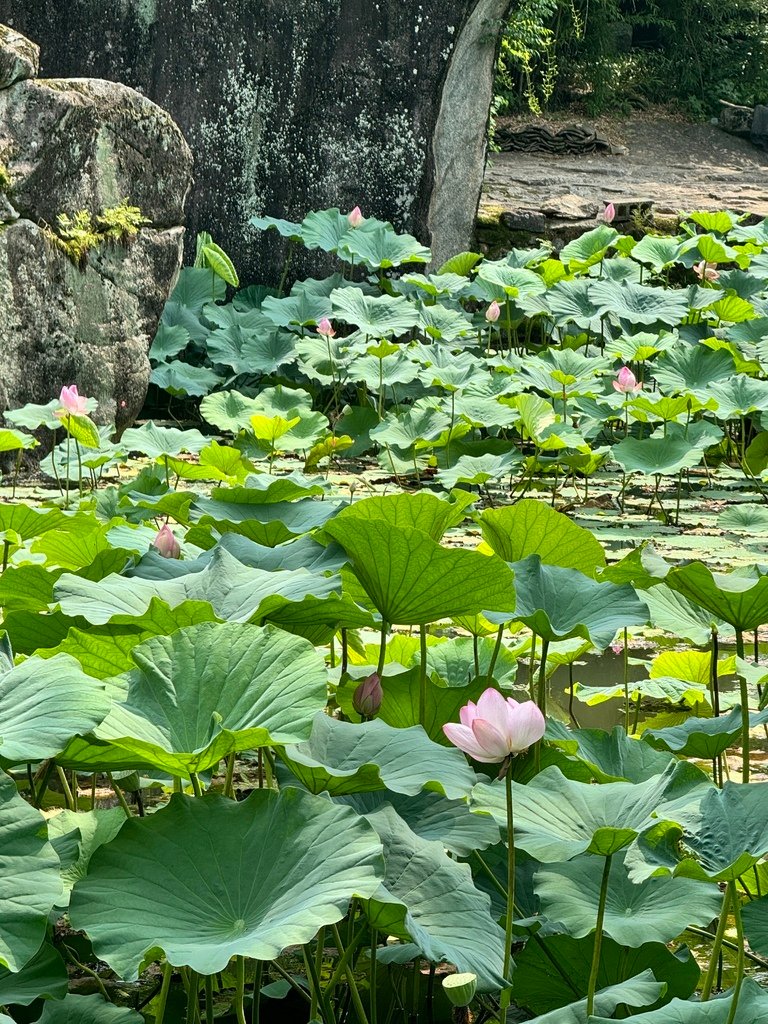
x: 291, y: 105
x: 66, y: 147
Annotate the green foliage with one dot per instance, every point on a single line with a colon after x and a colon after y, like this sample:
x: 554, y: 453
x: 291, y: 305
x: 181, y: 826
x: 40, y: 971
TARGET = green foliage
x: 78, y: 234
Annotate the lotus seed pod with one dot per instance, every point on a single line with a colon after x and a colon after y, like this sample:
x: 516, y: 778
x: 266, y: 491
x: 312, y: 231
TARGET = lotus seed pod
x: 460, y: 988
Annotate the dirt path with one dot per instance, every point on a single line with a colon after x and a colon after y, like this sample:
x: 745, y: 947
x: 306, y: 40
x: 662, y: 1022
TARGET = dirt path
x: 672, y: 163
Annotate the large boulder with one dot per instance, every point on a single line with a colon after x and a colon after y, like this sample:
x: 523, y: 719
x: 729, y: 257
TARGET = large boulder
x: 83, y: 147
x: 293, y: 105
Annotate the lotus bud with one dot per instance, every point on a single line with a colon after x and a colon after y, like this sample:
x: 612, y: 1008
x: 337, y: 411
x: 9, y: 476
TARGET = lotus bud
x: 72, y: 403
x: 367, y: 698
x: 626, y: 383
x: 325, y: 328
x: 166, y: 544
x: 493, y: 312
x: 706, y: 271
x: 460, y: 988
x: 609, y: 213
x: 355, y: 218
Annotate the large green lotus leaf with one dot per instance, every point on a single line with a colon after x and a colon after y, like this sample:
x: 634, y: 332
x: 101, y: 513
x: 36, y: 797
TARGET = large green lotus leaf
x: 452, y: 663
x: 213, y: 689
x: 105, y: 651
x: 514, y: 280
x: 181, y: 379
x: 740, y: 600
x: 43, y: 977
x: 343, y: 758
x: 692, y: 369
x: 589, y: 248
x: 558, y: 603
x: 479, y: 469
x: 752, y: 1009
x: 263, y: 489
x: 249, y: 351
x: 669, y: 689
x: 88, y: 830
x: 554, y: 972
x: 703, y: 738
x: 674, y: 613
x: 320, y: 229
x: 28, y: 522
x: 657, y: 251
x: 235, y: 591
x: 656, y: 910
x: 206, y: 879
x: 533, y: 528
x: 286, y: 228
x: 27, y: 587
x: 380, y: 248
x: 639, y: 304
x: 87, y: 1010
x: 444, y: 324
x: 571, y: 302
x: 229, y: 410
x: 29, y: 878
x: 43, y: 704
x: 413, y: 580
x: 431, y: 900
x: 557, y: 819
x: 639, y: 991
x: 432, y: 817
x: 305, y: 309
x: 269, y: 524
x: 413, y: 429
x: 422, y: 511
x: 612, y: 756
x: 755, y: 916
x: 656, y: 456
x: 739, y: 396
x: 718, y: 835
x: 154, y: 441
x: 375, y: 316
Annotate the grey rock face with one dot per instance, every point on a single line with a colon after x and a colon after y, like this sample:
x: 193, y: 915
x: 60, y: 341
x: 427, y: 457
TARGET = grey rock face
x: 292, y: 105
x: 19, y: 58
x: 759, y: 128
x: 65, y: 147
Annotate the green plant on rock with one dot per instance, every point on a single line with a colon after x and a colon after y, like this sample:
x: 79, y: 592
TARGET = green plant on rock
x: 77, y: 235
x: 121, y: 224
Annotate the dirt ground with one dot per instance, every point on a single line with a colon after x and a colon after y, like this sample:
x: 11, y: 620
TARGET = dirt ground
x: 675, y: 164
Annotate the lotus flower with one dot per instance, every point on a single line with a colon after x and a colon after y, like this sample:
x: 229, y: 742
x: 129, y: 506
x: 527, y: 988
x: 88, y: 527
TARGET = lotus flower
x: 166, y: 544
x: 496, y: 727
x: 367, y: 698
x: 325, y: 328
x: 626, y: 383
x: 355, y: 218
x: 706, y: 271
x: 493, y: 312
x: 609, y: 213
x: 72, y: 404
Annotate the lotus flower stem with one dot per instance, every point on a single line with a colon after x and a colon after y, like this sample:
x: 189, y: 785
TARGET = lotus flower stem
x: 374, y: 1013
x: 744, y: 697
x: 382, y: 650
x: 209, y: 999
x: 423, y: 675
x: 165, y: 988
x: 495, y: 655
x: 319, y: 952
x: 592, y: 986
x: 506, y: 994
x: 740, y: 958
x: 356, y: 1000
x: 542, y: 690
x: 298, y: 989
x: 256, y: 1010
x: 709, y: 979
x: 229, y: 789
x: 239, y: 1006
x: 625, y: 659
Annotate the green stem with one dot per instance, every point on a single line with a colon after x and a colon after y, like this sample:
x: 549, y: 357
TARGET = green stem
x: 744, y: 710
x: 598, y: 936
x: 709, y: 978
x: 374, y: 1012
x: 735, y: 900
x: 256, y: 1010
x: 209, y: 1008
x: 319, y: 951
x: 542, y: 690
x: 165, y: 988
x: 314, y: 984
x: 240, y: 989
x: 626, y: 681
x: 356, y: 1000
x: 495, y: 655
x: 382, y: 650
x: 298, y: 989
x: 120, y: 796
x: 229, y: 788
x: 423, y: 676
x: 195, y: 784
x: 86, y: 970
x: 506, y: 994
x: 65, y: 786
x: 193, y: 1009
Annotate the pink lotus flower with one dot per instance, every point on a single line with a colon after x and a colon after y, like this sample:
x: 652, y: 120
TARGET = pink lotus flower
x: 609, y: 213
x: 72, y: 404
x: 706, y: 271
x: 493, y: 312
x: 626, y: 383
x: 496, y: 727
x: 355, y: 218
x: 166, y: 544
x: 367, y: 698
x: 325, y: 328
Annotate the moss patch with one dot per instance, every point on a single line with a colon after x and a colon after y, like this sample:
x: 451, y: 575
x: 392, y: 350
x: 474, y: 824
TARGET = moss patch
x: 76, y: 236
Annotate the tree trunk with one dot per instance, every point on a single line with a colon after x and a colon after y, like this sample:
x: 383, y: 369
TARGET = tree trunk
x: 293, y: 105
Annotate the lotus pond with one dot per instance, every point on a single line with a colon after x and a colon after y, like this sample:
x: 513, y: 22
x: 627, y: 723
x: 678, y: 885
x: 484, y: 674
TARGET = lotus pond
x: 524, y: 498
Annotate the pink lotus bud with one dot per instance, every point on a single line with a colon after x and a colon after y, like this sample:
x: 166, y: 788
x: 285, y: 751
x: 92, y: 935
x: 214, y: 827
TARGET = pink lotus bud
x: 355, y: 218
x: 617, y: 648
x: 325, y: 328
x: 493, y: 312
x: 706, y: 271
x: 72, y: 404
x: 609, y: 213
x: 626, y: 382
x: 166, y: 544
x: 367, y: 698
x: 496, y: 727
